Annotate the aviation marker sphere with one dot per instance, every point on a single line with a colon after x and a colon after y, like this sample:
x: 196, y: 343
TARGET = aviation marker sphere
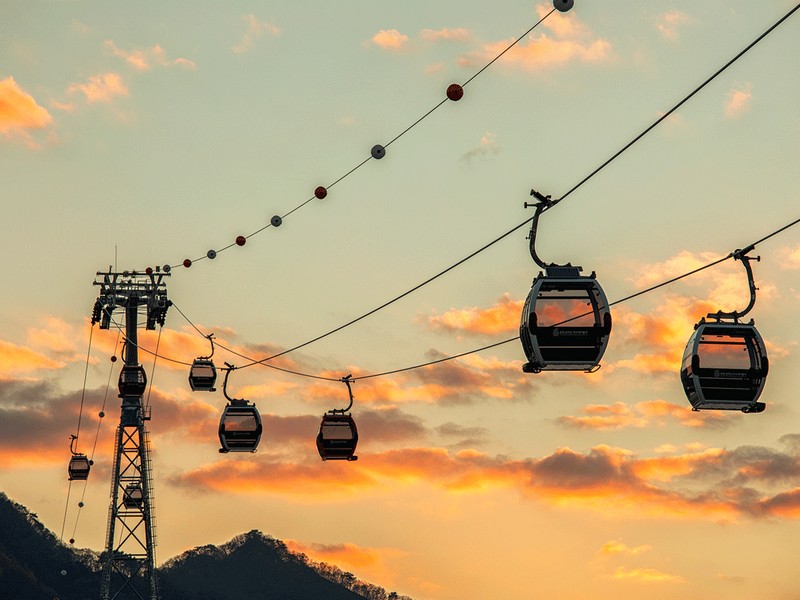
x: 148, y: 271
x: 212, y: 254
x: 320, y: 192
x: 101, y: 414
x: 63, y: 572
x: 166, y: 268
x: 187, y: 263
x: 276, y: 221
x: 563, y: 5
x: 71, y: 540
x: 113, y: 359
x: 378, y: 151
x: 241, y: 240
x: 80, y: 504
x: 455, y: 92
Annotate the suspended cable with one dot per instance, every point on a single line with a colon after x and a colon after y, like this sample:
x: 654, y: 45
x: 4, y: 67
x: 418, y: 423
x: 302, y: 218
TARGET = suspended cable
x: 493, y: 345
x: 552, y: 203
x: 454, y: 93
x: 153, y: 370
x: 395, y: 299
x: 676, y: 107
x: 83, y: 391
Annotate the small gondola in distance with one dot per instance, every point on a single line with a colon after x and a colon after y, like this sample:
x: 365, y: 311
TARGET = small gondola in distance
x: 338, y: 437
x: 202, y: 375
x: 132, y: 381
x: 133, y: 496
x: 79, y: 467
x: 79, y: 464
x: 240, y: 427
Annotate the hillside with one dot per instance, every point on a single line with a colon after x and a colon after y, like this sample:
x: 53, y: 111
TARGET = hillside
x: 35, y: 565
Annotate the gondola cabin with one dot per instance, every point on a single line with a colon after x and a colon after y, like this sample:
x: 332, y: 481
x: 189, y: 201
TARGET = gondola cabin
x: 565, y: 322
x: 133, y: 496
x: 337, y: 437
x: 202, y: 375
x: 132, y: 381
x: 725, y: 367
x: 239, y: 427
x: 79, y: 466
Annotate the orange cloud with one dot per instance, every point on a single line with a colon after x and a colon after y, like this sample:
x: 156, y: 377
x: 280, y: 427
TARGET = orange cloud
x: 644, y: 414
x: 458, y: 34
x: 101, y: 88
x: 451, y: 382
x: 571, y: 41
x: 390, y: 39
x: 646, y: 575
x: 668, y: 23
x: 16, y: 359
x: 603, y: 417
x: 254, y: 29
x: 19, y: 112
x: 486, y: 149
x: 616, y: 547
x: 738, y: 101
x: 142, y: 60
x: 605, y: 479
x: 789, y: 258
x: 338, y: 554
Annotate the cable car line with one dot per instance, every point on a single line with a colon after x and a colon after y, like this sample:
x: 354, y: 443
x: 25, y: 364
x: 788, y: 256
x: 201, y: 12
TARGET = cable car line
x: 523, y: 223
x: 454, y: 93
x: 677, y: 106
x: 483, y: 348
x: 321, y: 192
x: 550, y: 203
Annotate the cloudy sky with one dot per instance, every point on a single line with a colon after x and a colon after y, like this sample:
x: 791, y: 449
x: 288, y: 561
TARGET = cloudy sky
x: 145, y: 135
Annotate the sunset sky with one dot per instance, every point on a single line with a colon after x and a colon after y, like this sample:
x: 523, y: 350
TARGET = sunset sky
x: 143, y: 134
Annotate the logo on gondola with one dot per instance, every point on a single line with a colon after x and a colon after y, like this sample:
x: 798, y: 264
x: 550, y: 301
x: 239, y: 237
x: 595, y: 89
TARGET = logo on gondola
x: 569, y: 332
x: 729, y: 374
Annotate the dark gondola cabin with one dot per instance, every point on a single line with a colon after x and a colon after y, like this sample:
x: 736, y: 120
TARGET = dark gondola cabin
x: 132, y: 380
x: 337, y: 437
x: 239, y: 427
x: 565, y: 322
x: 79, y: 466
x: 725, y: 367
x: 133, y: 496
x: 202, y: 375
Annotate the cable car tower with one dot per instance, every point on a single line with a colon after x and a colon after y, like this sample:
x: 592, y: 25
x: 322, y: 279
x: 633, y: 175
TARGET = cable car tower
x: 129, y: 565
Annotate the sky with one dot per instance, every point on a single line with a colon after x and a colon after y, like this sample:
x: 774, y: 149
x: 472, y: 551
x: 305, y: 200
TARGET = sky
x: 142, y: 135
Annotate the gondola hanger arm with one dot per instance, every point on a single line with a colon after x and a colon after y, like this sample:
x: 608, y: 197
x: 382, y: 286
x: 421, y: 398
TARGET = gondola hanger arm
x: 229, y: 368
x: 543, y: 204
x: 347, y: 379
x: 741, y: 255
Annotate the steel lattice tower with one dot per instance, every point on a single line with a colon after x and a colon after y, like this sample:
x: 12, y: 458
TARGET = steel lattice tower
x: 129, y: 564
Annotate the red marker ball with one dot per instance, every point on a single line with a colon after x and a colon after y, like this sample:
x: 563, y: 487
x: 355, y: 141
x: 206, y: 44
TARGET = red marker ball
x: 113, y: 359
x: 187, y: 263
x: 320, y: 192
x: 71, y: 540
x: 455, y: 92
x: 241, y: 240
x: 148, y: 271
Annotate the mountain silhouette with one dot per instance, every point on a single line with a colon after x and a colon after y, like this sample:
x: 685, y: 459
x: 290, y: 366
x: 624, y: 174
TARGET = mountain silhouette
x: 36, y: 565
